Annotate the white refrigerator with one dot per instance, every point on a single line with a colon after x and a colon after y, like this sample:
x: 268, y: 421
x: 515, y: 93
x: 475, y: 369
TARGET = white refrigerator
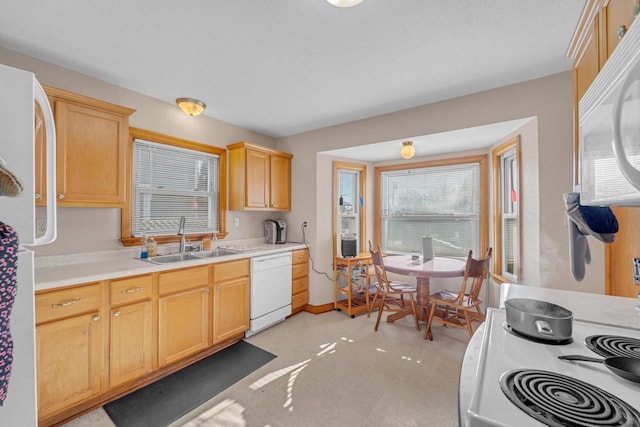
x: 19, y: 91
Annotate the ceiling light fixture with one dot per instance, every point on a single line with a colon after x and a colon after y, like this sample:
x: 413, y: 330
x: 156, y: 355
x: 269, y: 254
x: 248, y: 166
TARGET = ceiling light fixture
x: 191, y: 106
x: 344, y: 3
x: 407, y: 151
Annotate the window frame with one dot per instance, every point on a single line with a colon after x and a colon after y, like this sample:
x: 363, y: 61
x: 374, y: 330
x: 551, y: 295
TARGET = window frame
x: 498, y: 219
x: 484, y: 191
x: 125, y: 213
x: 361, y: 170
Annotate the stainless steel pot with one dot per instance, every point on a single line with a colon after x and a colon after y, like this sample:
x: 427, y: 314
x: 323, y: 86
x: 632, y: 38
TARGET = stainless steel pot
x: 539, y: 319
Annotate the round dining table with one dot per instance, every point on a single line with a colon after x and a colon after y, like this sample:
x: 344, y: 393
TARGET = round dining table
x: 423, y: 271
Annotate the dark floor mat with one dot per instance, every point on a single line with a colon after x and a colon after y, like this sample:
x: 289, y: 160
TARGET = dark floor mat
x: 169, y: 398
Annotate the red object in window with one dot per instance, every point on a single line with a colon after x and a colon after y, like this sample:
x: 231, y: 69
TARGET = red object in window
x: 514, y: 195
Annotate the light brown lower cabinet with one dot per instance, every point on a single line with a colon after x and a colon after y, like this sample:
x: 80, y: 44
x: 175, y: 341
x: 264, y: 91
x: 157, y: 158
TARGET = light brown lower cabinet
x: 183, y: 327
x: 130, y: 329
x: 299, y: 280
x: 183, y: 313
x: 98, y: 341
x: 231, y: 299
x: 69, y: 347
x: 131, y: 339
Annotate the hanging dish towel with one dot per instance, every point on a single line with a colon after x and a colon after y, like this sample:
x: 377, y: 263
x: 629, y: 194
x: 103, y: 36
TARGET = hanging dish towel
x: 597, y: 221
x: 10, y: 185
x: 8, y: 273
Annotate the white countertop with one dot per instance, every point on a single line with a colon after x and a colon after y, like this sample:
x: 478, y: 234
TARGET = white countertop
x: 66, y: 270
x: 606, y: 309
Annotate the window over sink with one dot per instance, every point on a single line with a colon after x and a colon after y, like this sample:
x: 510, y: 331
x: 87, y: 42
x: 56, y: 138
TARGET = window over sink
x: 171, y: 178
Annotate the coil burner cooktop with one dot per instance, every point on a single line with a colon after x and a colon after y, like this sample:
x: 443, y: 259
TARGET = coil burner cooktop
x: 519, y: 382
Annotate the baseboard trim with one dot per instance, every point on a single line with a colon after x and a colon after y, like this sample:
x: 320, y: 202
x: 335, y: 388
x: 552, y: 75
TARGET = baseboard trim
x: 318, y: 309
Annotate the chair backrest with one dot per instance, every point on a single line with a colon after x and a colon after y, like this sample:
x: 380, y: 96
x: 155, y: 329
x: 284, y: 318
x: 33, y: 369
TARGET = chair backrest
x: 476, y: 270
x: 382, y: 282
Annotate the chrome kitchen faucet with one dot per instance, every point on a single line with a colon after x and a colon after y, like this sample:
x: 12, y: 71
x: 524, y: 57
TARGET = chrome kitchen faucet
x: 181, y: 234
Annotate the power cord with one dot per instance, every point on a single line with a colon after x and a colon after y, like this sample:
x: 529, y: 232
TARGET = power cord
x: 303, y: 226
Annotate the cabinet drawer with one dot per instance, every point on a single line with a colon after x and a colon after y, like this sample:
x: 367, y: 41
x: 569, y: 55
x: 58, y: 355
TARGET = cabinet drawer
x: 299, y: 300
x: 180, y: 280
x: 230, y: 270
x: 300, y: 256
x: 68, y: 302
x: 130, y: 290
x: 299, y: 270
x: 299, y: 285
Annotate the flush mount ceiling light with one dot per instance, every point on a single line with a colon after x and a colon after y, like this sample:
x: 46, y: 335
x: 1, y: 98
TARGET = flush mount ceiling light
x: 344, y: 3
x: 407, y: 151
x: 191, y: 106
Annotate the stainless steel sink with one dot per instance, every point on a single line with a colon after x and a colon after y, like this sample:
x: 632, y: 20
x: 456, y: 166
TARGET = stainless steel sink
x: 164, y: 259
x: 212, y: 253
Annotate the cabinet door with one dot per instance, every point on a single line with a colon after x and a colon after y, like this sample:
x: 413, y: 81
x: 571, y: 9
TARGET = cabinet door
x: 91, y: 155
x: 617, y: 17
x: 230, y: 309
x: 131, y: 345
x: 41, y: 167
x: 257, y: 191
x: 182, y: 325
x: 280, y: 183
x: 620, y: 254
x: 68, y: 357
x: 585, y: 70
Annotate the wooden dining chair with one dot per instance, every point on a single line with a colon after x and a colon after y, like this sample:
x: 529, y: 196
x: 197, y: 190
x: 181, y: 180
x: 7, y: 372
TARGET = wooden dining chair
x: 460, y: 308
x: 390, y: 296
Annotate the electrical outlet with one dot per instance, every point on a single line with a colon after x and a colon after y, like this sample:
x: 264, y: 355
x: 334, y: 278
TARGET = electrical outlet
x: 41, y: 225
x: 236, y: 222
x: 304, y: 224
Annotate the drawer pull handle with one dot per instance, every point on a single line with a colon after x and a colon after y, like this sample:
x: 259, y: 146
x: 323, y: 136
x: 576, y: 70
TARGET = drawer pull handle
x: 116, y: 314
x: 131, y: 290
x: 218, y: 288
x: 66, y: 303
x: 96, y: 318
x: 206, y: 291
x: 60, y: 196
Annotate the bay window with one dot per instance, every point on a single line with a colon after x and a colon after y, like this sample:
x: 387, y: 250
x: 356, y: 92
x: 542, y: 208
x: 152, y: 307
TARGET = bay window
x: 506, y: 159
x: 444, y: 199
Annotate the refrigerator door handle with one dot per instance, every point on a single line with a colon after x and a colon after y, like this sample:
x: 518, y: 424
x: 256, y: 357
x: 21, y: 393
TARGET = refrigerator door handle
x: 50, y: 132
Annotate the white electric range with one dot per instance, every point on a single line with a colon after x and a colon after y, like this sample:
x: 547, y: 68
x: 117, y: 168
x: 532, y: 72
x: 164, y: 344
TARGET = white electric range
x: 546, y: 391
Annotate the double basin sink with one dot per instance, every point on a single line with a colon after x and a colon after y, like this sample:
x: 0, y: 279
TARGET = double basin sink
x: 186, y: 256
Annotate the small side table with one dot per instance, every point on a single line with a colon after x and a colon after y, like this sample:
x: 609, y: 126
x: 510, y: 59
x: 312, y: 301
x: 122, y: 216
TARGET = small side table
x: 357, y: 272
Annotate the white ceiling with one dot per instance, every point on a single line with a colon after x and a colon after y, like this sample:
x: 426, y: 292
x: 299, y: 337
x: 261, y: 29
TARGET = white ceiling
x: 281, y: 67
x: 436, y: 143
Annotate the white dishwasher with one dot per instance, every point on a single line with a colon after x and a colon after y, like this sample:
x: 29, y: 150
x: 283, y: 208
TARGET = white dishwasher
x: 270, y: 290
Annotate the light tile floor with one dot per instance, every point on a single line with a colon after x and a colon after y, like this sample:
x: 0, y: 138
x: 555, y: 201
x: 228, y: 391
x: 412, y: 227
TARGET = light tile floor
x: 332, y: 370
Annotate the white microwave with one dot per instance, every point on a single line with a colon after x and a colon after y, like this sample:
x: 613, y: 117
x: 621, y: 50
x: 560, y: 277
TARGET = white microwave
x: 609, y: 129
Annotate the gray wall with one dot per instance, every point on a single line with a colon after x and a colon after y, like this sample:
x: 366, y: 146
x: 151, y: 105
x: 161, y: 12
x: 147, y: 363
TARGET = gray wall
x: 546, y: 163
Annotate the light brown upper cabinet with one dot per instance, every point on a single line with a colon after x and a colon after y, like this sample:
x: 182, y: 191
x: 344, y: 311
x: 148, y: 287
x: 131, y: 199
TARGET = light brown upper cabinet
x: 259, y: 178
x: 601, y: 27
x: 617, y: 17
x: 91, y: 137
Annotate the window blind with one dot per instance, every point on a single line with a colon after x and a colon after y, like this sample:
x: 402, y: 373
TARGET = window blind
x: 510, y: 190
x: 442, y: 202
x: 169, y: 182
